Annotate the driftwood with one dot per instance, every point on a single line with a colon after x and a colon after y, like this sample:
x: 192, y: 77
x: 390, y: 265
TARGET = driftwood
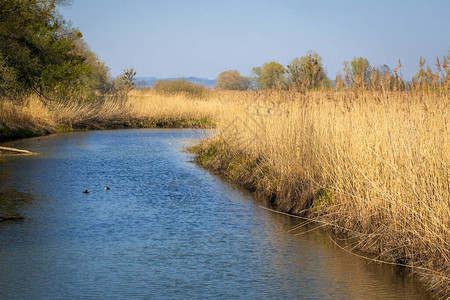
x: 15, y: 150
x: 11, y: 218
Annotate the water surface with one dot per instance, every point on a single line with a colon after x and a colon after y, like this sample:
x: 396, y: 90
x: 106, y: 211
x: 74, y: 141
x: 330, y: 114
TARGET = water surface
x: 165, y: 229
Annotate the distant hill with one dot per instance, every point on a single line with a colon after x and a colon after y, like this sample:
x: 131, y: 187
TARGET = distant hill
x: 150, y: 81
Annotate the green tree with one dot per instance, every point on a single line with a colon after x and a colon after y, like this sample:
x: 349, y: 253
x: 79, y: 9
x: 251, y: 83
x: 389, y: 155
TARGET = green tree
x: 446, y: 69
x: 98, y: 77
x: 255, y: 78
x: 128, y: 78
x: 421, y: 77
x: 306, y: 72
x: 232, y: 80
x: 382, y: 78
x: 8, y: 77
x: 269, y: 76
x: 40, y: 53
x: 358, y: 72
x: 179, y: 86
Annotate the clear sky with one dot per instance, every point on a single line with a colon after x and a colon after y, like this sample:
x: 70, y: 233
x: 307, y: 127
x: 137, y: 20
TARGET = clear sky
x: 176, y: 38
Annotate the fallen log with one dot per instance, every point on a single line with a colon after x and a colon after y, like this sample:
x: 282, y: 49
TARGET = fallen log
x: 14, y: 150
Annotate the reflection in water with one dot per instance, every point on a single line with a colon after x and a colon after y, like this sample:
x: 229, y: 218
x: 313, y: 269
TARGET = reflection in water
x: 12, y: 198
x: 345, y: 274
x: 165, y: 229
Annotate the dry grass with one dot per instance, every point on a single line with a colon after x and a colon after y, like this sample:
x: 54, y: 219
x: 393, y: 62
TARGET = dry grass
x: 144, y: 104
x: 33, y: 115
x: 138, y: 109
x: 375, y: 163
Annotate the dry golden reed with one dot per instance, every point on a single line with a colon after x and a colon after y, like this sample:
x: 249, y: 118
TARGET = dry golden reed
x: 374, y: 162
x: 138, y: 108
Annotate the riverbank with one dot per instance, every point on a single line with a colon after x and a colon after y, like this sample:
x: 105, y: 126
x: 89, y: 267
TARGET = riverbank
x: 135, y: 110
x: 375, y: 165
x: 371, y: 163
x: 7, y: 134
x: 319, y: 205
x: 162, y: 215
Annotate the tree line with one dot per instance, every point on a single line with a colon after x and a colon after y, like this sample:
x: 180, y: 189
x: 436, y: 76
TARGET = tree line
x: 40, y: 53
x: 308, y: 73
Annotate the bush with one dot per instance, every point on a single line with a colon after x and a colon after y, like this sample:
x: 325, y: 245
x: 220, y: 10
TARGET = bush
x: 172, y: 87
x: 41, y: 54
x: 232, y: 80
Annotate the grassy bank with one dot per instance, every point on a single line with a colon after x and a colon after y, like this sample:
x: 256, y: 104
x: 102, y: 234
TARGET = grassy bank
x: 374, y: 163
x: 137, y: 110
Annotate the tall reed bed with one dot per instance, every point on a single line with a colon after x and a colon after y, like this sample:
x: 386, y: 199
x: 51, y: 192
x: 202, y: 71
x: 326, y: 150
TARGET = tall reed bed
x: 376, y: 164
x: 135, y: 109
x: 373, y: 162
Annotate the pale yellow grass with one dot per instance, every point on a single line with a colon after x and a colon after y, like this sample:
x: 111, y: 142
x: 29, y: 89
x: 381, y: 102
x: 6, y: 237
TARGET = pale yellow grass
x: 138, y: 107
x: 377, y: 164
x: 33, y: 114
x: 145, y: 104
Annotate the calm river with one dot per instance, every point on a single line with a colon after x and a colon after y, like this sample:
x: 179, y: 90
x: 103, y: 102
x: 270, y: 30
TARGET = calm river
x: 165, y: 229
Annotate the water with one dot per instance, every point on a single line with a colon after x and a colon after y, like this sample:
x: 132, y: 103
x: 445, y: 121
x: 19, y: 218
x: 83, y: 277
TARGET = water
x: 165, y: 229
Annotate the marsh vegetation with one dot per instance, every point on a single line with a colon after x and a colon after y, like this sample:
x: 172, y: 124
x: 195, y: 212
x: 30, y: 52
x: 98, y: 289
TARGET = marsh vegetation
x: 371, y: 162
x: 368, y: 154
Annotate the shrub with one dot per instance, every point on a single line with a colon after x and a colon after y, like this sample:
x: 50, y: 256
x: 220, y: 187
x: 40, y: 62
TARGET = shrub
x: 172, y: 87
x: 232, y: 80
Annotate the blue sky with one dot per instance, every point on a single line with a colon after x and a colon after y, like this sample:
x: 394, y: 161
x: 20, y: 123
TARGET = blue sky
x: 174, y: 38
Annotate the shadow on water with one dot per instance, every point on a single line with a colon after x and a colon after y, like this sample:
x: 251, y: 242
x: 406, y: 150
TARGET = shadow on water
x: 165, y: 229
x: 340, y: 265
x: 339, y: 273
x: 12, y: 199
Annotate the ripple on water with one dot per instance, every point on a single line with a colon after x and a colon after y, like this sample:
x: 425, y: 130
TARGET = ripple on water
x: 166, y: 229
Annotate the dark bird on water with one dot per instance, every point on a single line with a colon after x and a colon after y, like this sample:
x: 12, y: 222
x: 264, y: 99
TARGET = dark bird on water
x: 86, y: 192
x: 107, y: 188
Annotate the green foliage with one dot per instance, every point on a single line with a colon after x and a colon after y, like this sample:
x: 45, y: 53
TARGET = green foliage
x: 98, y: 76
x: 64, y: 128
x: 306, y: 72
x: 232, y: 80
x: 8, y: 77
x: 128, y: 78
x: 426, y: 78
x: 269, y: 76
x: 358, y: 72
x: 172, y: 87
x: 324, y: 198
x: 255, y: 78
x: 382, y: 78
x: 206, y: 153
x: 326, y: 83
x: 40, y: 53
x: 422, y: 77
